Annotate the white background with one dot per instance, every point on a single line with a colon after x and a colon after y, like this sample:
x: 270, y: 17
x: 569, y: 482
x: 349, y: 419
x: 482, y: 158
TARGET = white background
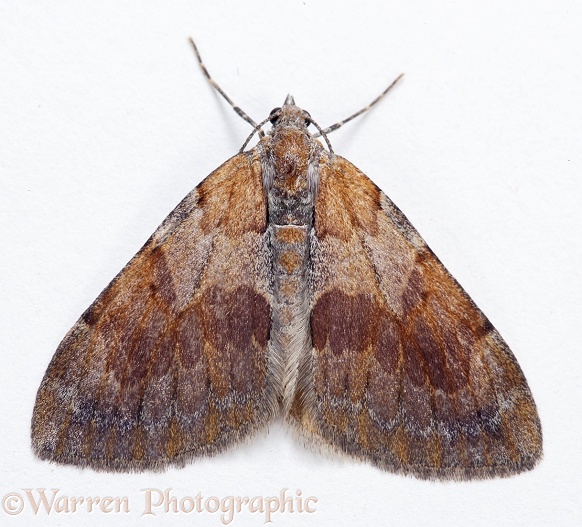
x: 106, y: 123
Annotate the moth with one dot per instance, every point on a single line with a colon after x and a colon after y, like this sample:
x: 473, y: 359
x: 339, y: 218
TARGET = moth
x: 287, y: 283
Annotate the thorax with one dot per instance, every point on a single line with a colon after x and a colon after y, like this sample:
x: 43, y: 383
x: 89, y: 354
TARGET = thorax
x: 289, y: 161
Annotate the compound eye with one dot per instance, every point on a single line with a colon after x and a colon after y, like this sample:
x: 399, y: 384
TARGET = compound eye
x: 273, y: 115
x: 307, y: 118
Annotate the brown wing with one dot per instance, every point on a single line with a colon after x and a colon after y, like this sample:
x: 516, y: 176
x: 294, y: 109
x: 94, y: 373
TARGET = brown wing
x: 171, y: 361
x: 405, y: 370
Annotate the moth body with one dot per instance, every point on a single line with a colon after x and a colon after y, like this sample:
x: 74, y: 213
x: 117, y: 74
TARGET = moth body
x: 287, y: 283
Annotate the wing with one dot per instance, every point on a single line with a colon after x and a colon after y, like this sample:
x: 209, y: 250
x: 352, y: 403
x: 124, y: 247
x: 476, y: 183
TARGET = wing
x: 405, y: 370
x: 171, y: 361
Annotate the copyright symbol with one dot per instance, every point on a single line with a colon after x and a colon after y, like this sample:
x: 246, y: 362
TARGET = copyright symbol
x: 12, y: 503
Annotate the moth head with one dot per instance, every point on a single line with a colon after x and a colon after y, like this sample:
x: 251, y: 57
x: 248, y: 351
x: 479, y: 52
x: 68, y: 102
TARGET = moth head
x: 289, y: 115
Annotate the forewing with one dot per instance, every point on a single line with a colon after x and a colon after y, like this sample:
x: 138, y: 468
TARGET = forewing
x: 171, y: 361
x: 405, y: 370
